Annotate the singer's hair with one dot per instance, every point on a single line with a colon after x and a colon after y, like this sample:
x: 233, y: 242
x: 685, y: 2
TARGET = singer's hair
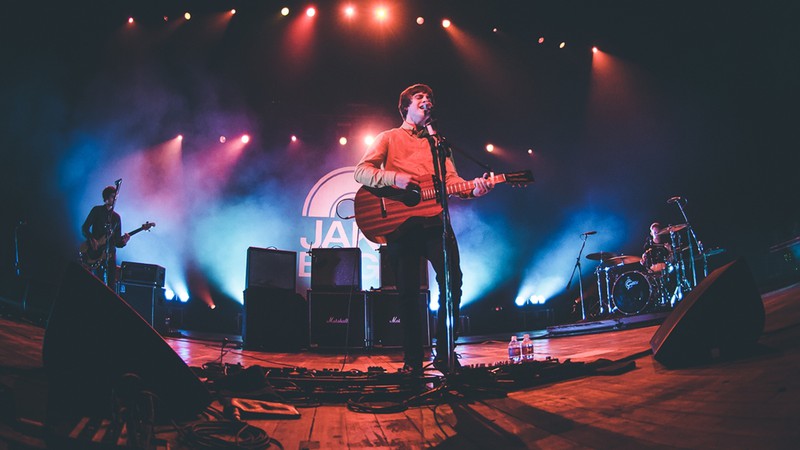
x: 405, y: 97
x: 655, y: 225
x: 108, y: 192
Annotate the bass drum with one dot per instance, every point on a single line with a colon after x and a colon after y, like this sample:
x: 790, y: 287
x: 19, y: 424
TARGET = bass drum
x: 632, y: 292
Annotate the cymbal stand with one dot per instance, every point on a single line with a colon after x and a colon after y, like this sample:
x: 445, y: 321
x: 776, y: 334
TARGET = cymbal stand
x: 693, y: 237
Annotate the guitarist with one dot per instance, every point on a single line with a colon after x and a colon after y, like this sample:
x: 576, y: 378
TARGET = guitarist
x: 401, y: 157
x: 102, y: 232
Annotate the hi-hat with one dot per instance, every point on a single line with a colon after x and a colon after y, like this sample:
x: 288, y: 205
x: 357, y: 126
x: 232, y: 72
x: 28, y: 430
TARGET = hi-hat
x: 672, y: 229
x: 601, y: 256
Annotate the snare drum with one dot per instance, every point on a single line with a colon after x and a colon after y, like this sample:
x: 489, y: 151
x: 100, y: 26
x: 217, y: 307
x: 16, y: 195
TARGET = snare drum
x: 632, y: 292
x: 657, y: 258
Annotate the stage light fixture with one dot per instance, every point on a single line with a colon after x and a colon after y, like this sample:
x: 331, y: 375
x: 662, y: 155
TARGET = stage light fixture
x: 369, y: 139
x: 169, y: 294
x: 562, y: 44
x: 245, y: 139
x: 489, y: 148
x: 381, y: 13
x: 594, y: 50
x: 530, y: 151
x: 446, y: 23
x: 233, y: 11
x: 294, y: 138
x: 494, y: 30
x: 180, y: 137
x: 166, y: 19
x: 311, y: 12
x: 187, y: 15
x: 420, y: 20
x: 541, y: 40
x: 284, y: 11
x: 222, y: 139
x: 212, y: 306
x: 130, y: 20
x: 342, y: 140
x: 349, y: 11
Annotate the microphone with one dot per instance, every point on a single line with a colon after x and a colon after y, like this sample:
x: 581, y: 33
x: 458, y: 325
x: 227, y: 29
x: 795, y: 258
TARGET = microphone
x: 674, y: 199
x: 426, y: 106
x: 589, y: 233
x: 118, y: 182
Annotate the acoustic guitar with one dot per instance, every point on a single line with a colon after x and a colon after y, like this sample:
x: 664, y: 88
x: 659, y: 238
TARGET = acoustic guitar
x: 382, y: 211
x: 91, y: 258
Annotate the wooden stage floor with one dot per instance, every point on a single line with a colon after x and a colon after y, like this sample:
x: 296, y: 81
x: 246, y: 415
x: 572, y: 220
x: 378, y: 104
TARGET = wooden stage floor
x: 748, y: 402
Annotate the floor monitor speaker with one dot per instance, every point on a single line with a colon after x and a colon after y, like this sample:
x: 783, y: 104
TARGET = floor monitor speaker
x: 93, y: 338
x: 722, y: 316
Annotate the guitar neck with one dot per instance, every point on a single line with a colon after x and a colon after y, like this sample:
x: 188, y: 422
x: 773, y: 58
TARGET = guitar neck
x: 466, y: 186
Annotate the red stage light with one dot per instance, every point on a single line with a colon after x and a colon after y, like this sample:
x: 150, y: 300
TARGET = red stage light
x: 381, y: 13
x: 420, y: 20
x: 594, y: 50
x: 350, y: 11
x: 284, y: 11
x: 311, y: 12
x: 130, y: 19
x: 446, y: 23
x: 294, y: 138
x: 245, y: 139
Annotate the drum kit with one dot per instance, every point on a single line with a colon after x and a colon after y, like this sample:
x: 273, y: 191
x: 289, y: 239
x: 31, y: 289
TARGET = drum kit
x: 655, y: 281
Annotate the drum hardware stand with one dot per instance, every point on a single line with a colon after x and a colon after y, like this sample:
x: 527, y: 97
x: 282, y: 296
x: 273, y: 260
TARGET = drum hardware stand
x: 692, y: 237
x: 577, y: 268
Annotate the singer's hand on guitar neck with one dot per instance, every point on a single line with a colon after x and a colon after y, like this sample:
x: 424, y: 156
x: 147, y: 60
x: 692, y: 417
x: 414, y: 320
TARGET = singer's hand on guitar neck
x: 483, y: 185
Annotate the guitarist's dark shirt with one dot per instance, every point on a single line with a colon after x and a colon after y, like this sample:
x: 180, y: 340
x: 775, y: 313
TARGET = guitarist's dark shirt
x: 95, y: 225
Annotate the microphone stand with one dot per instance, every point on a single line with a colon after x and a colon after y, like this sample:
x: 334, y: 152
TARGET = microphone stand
x: 440, y: 151
x: 110, y: 229
x: 577, y: 268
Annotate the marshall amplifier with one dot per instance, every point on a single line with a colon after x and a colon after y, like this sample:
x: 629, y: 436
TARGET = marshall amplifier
x: 386, y: 328
x: 336, y: 269
x: 145, y: 274
x: 337, y: 319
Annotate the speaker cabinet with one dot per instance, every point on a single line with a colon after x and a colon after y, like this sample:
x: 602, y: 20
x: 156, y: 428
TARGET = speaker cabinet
x: 274, y: 320
x: 269, y: 268
x: 386, y: 327
x: 722, y: 316
x: 388, y: 278
x: 144, y: 274
x: 337, y: 319
x: 93, y: 338
x: 148, y: 301
x: 336, y: 269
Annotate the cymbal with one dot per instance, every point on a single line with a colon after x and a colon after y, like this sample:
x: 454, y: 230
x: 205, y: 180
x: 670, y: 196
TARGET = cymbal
x: 601, y: 256
x: 672, y: 229
x: 624, y: 259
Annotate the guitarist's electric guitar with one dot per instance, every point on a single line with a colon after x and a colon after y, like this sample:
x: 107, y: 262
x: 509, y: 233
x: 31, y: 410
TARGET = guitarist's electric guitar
x: 382, y: 211
x: 92, y: 258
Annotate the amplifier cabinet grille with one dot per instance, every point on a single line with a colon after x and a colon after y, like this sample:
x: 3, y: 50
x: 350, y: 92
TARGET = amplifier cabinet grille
x: 386, y: 327
x: 147, y: 301
x: 337, y: 319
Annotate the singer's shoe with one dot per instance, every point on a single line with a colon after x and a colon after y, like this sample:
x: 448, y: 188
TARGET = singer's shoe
x: 440, y: 364
x: 414, y: 370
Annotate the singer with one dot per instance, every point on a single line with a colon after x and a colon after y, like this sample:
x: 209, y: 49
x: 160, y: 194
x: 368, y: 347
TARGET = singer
x: 402, y: 157
x: 103, y: 236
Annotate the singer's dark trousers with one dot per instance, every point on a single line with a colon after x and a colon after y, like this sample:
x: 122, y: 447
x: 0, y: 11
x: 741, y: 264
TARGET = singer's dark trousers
x: 416, y: 243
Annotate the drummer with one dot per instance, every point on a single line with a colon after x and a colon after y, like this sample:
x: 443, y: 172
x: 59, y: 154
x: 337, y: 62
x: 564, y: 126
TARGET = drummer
x: 657, y: 249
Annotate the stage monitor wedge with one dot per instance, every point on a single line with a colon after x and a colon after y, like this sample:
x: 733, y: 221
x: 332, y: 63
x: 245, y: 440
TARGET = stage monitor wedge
x: 722, y: 317
x: 93, y: 338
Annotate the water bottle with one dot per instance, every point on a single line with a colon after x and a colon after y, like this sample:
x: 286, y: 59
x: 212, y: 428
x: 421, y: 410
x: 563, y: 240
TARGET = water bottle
x: 514, y: 350
x: 527, y: 348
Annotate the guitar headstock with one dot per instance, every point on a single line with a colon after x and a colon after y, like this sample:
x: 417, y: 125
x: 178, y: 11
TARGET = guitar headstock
x: 521, y: 178
x: 147, y: 225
